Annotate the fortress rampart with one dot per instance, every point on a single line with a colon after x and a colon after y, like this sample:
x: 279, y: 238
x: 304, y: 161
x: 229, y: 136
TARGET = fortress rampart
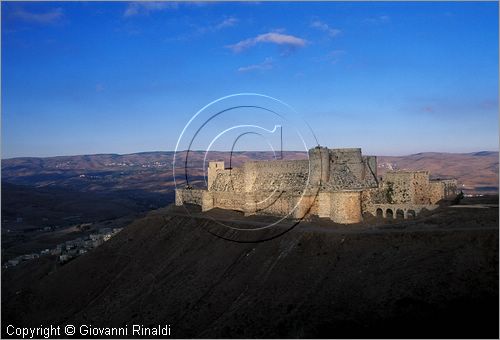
x: 339, y: 184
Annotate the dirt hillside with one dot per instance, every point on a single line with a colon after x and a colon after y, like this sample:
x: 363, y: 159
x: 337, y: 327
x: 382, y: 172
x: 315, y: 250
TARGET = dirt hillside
x: 434, y: 277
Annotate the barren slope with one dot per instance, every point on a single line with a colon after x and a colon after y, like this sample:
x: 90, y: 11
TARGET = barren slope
x: 437, y: 277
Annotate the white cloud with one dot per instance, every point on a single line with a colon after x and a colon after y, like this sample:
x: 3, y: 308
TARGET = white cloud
x: 332, y: 32
x: 50, y: 17
x: 200, y: 31
x: 267, y: 64
x: 229, y: 22
x: 226, y: 23
x: 271, y: 37
x: 146, y: 7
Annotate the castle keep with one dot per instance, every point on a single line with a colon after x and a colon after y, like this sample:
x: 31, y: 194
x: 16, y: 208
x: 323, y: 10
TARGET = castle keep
x: 339, y: 184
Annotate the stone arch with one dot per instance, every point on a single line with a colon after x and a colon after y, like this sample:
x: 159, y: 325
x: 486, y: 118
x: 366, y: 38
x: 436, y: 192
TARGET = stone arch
x: 411, y: 214
x: 389, y: 213
x: 400, y: 214
x: 379, y: 213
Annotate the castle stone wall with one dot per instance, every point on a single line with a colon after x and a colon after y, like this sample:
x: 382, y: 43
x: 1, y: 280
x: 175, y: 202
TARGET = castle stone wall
x: 213, y: 167
x: 422, y: 187
x: 306, y: 206
x: 319, y: 159
x: 346, y: 207
x: 191, y: 196
x: 229, y: 200
x: 203, y: 198
x: 342, y: 185
x: 270, y: 175
x: 228, y: 180
x: 407, y: 187
x: 346, y: 155
x: 370, y: 176
x: 442, y: 189
x: 450, y: 188
x: 351, y: 158
x: 277, y: 203
x: 324, y: 204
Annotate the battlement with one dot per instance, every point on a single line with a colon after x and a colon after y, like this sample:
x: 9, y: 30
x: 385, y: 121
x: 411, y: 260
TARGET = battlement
x: 216, y: 165
x: 406, y: 172
x: 347, y: 155
x: 406, y: 175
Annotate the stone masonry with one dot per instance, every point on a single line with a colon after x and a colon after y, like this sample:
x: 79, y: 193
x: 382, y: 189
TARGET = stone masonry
x: 339, y: 184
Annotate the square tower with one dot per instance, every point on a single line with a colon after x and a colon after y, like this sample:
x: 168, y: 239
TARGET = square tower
x: 213, y: 167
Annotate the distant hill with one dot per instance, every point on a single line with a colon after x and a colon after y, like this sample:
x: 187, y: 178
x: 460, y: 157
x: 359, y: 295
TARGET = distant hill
x: 152, y: 171
x: 36, y: 202
x: 475, y: 172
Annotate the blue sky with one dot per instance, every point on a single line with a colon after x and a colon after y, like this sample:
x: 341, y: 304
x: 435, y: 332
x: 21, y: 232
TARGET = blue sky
x: 117, y: 77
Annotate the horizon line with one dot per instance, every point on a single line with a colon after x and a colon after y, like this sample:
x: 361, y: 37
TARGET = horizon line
x: 229, y: 151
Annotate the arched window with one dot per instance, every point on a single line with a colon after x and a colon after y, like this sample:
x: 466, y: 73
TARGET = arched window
x: 400, y: 214
x: 380, y: 213
x: 389, y: 213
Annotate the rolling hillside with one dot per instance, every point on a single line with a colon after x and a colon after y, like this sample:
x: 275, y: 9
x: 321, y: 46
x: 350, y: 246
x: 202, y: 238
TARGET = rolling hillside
x: 152, y: 171
x: 477, y: 172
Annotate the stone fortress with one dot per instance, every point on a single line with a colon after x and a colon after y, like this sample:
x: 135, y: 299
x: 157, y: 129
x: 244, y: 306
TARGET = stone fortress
x: 339, y: 184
